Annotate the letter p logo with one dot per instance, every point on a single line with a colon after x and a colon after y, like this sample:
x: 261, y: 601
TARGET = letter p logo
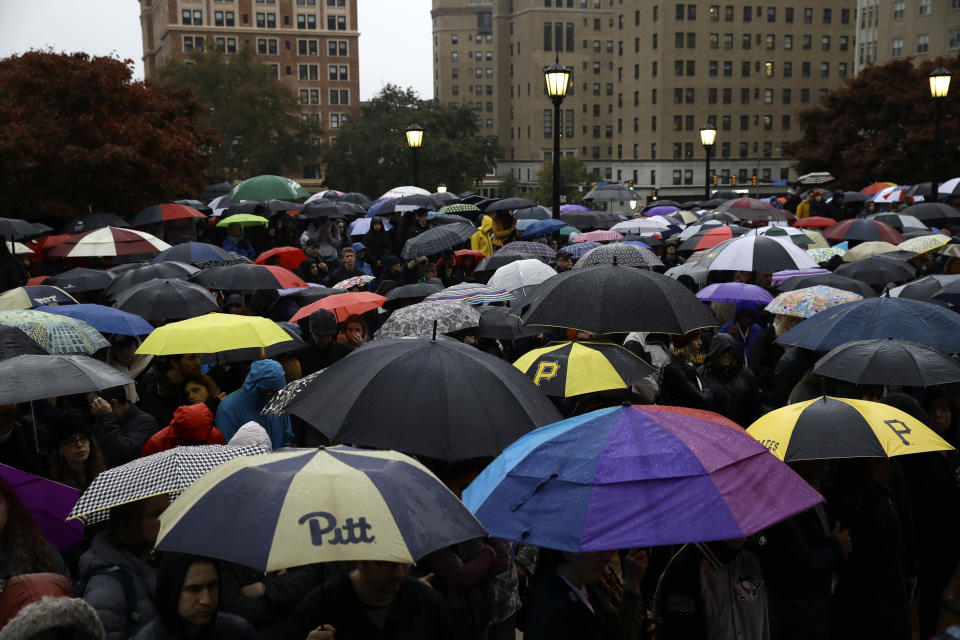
x: 900, y: 429
x: 546, y: 371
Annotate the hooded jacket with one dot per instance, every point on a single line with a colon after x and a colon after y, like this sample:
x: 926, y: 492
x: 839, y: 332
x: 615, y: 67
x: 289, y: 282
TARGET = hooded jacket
x: 192, y: 424
x: 734, y: 388
x: 51, y: 613
x: 245, y: 404
x: 27, y: 588
x: 731, y: 328
x: 480, y: 241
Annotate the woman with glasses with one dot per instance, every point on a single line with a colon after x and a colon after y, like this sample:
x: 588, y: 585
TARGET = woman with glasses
x: 76, y: 459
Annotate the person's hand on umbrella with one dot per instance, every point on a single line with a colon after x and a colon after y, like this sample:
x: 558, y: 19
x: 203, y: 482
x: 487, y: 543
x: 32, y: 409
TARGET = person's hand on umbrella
x: 100, y: 407
x: 634, y: 567
x: 323, y: 632
x: 842, y: 535
x: 253, y: 590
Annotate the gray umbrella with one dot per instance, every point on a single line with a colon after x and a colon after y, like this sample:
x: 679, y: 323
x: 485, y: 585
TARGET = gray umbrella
x: 437, y: 240
x: 32, y: 377
x: 627, y: 255
x: 168, y: 299
x: 889, y: 361
x: 418, y: 320
x: 611, y: 192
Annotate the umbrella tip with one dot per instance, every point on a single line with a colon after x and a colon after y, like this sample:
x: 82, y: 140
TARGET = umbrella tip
x: 434, y: 331
x: 614, y: 260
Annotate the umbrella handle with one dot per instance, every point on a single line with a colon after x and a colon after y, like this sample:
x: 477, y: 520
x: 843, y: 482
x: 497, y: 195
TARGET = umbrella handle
x: 33, y: 419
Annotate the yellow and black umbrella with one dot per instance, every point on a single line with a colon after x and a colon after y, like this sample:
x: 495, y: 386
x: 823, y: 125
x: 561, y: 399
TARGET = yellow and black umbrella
x: 573, y: 368
x: 827, y: 427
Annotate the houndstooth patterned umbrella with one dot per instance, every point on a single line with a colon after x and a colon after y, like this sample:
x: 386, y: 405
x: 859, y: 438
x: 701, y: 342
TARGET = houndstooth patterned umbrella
x: 57, y: 334
x: 536, y: 249
x: 627, y: 255
x: 168, y: 472
x: 418, y: 320
x: 437, y: 240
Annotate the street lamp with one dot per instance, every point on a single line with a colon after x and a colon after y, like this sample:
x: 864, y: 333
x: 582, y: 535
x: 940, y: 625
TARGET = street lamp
x: 939, y: 88
x: 708, y: 136
x: 557, y: 78
x: 442, y: 188
x: 414, y: 139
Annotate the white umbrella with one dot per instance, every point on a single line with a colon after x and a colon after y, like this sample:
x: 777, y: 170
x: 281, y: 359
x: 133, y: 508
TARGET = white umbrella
x: 950, y: 186
x: 107, y: 242
x: 758, y: 253
x: 399, y: 192
x: 642, y: 225
x: 18, y: 248
x: 361, y: 226
x: 520, y: 274
x: 798, y: 237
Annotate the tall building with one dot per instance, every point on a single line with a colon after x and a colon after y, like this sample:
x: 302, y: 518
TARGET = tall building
x: 923, y: 29
x: 311, y: 46
x: 645, y: 77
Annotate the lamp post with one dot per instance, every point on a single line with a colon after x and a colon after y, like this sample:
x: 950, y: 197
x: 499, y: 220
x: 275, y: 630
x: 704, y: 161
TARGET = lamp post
x: 708, y: 136
x: 442, y: 188
x: 939, y: 88
x: 414, y: 139
x: 557, y: 78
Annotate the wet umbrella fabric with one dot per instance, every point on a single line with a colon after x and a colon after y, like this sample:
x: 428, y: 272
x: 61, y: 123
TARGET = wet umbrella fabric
x: 518, y: 275
x: 166, y: 270
x: 804, y: 303
x: 438, y: 398
x: 48, y: 503
x: 542, y: 228
x: 757, y: 253
x: 167, y: 300
x: 212, y: 333
x: 103, y: 319
x: 343, y: 306
x: 16, y: 229
x: 934, y: 212
x: 437, y: 240
x: 91, y: 221
x: 267, y: 187
x: 889, y: 362
x: 498, y: 260
x: 751, y: 209
x: 56, y: 334
x: 160, y: 213
x: 950, y: 293
x: 248, y: 277
x: 287, y: 257
x: 392, y: 509
x: 81, y: 279
x: 920, y: 289
x: 611, y: 192
x: 877, y: 270
x: 626, y: 255
x: 194, y: 252
x: 733, y: 292
x: 418, y: 320
x: 30, y: 297
x: 862, y: 230
x: 471, y: 293
x: 635, y: 476
x: 573, y: 368
x: 534, y: 249
x: 33, y: 377
x: 108, y: 242
x: 830, y: 280
x: 419, y: 291
x: 14, y: 342
x: 533, y: 213
x: 498, y: 322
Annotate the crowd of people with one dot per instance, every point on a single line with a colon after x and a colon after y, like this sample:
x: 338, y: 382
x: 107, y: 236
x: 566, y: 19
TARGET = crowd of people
x: 876, y: 560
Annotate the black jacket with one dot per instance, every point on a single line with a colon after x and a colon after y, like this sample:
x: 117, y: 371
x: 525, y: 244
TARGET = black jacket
x: 226, y: 627
x: 122, y: 439
x: 680, y: 387
x: 734, y: 389
x: 557, y: 613
x: 313, y: 358
x: 158, y: 396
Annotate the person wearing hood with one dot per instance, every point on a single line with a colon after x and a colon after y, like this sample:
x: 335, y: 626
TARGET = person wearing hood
x: 192, y: 424
x: 392, y: 270
x: 743, y: 328
x: 322, y: 348
x: 237, y: 243
x: 361, y: 252
x: 188, y: 599
x: 377, y: 243
x: 41, y: 605
x: 120, y: 427
x: 245, y: 404
x: 122, y: 356
x: 310, y: 271
x: 732, y: 384
x: 482, y: 240
x: 251, y: 433
x: 680, y: 386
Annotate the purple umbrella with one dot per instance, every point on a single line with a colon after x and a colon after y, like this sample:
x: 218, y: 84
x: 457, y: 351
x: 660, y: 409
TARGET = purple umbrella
x: 635, y: 476
x: 734, y: 292
x: 573, y: 207
x: 49, y: 503
x: 662, y: 210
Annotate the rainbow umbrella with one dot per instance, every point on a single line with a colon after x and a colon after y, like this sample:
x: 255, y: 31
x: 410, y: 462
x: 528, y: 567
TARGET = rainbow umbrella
x: 471, y: 294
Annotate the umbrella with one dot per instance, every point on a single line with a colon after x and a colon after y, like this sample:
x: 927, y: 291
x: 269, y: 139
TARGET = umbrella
x: 635, y: 476
x: 803, y: 303
x: 950, y: 187
x: 103, y: 319
x: 830, y: 280
x: 248, y: 354
x: 437, y: 398
x: 498, y: 322
x: 167, y: 270
x: 535, y: 249
x: 923, y: 244
x: 757, y: 253
x: 460, y: 207
x: 343, y: 306
x: 920, y: 289
x: 212, y: 333
x: 862, y: 230
x: 797, y: 236
x: 34, y: 296
x: 889, y: 362
x: 949, y: 294
x: 876, y: 187
x: 536, y: 213
x: 167, y: 300
x: 92, y: 221
x: 697, y: 273
x: 817, y: 177
x: 827, y: 428
x: 642, y: 225
x: 733, y: 292
x: 160, y: 213
x: 898, y: 221
x: 33, y: 377
x: 600, y: 235
x: 720, y: 216
x: 661, y: 209
x: 882, y: 317
x: 611, y: 193
x: 287, y: 257
x: 106, y: 242
x: 437, y: 240
x: 409, y: 202
x: 577, y: 251
x: 627, y: 255
x: 542, y: 228
x: 14, y: 342
x: 751, y: 209
x: 355, y: 281
x: 890, y: 194
x: 427, y: 318
x: 572, y: 207
x: 866, y: 250
x: 567, y: 369
x: 212, y: 191
x: 391, y: 507
x: 471, y: 293
x: 56, y: 334
x: 815, y: 222
x: 248, y: 277
x: 522, y: 273
x: 244, y: 220
x: 708, y: 237
x: 508, y: 204
x: 165, y: 473
x: 16, y: 229
x: 81, y: 279
x: 498, y: 260
x: 194, y: 252
x: 616, y: 299
x: 361, y: 226
x: 877, y: 270
x: 48, y: 503
x: 417, y: 292
x: 267, y: 187
x: 18, y: 248
x: 821, y: 256
x: 320, y: 210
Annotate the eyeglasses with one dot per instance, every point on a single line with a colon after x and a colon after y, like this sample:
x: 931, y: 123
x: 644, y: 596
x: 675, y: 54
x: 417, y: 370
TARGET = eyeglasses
x: 73, y: 442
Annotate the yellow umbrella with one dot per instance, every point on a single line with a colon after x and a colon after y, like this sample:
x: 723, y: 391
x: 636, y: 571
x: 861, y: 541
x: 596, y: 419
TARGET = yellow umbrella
x: 819, y: 242
x: 213, y: 333
x: 922, y: 244
x: 866, y: 250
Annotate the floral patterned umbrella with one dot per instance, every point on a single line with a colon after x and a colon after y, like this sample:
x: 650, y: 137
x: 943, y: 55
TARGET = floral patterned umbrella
x: 824, y: 255
x: 803, y: 303
x: 355, y: 281
x: 418, y: 320
x: 922, y: 244
x: 56, y: 334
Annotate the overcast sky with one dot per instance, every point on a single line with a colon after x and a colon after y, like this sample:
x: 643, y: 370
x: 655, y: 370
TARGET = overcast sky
x: 395, y: 36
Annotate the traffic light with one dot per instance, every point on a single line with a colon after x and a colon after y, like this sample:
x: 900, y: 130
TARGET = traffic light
x: 754, y: 180
x: 714, y: 179
x: 733, y: 180
x: 653, y: 194
x: 630, y: 183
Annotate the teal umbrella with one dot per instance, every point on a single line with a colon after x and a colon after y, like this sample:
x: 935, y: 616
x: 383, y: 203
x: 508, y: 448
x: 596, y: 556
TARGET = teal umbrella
x: 267, y: 187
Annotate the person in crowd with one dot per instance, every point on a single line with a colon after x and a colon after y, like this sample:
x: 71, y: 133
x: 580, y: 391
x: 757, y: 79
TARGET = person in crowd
x: 328, y: 241
x: 348, y: 267
x: 377, y: 243
x: 122, y: 356
x: 21, y: 443
x: 743, y: 328
x: 120, y: 427
x: 202, y: 388
x: 161, y: 389
x: 322, y: 348
x: 449, y: 272
x: 731, y: 384
x: 23, y: 548
x: 77, y: 459
x: 680, y: 385
x: 39, y: 606
x: 266, y: 600
x: 353, y: 332
x: 670, y: 257
x: 236, y: 243
x: 251, y: 433
x: 504, y: 228
x: 361, y: 258
x: 312, y: 270
x: 292, y: 370
x: 804, y: 209
x: 266, y: 377
x: 191, y: 425
x: 564, y: 261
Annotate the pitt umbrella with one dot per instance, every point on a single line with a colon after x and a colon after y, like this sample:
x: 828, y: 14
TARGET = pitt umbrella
x: 573, y: 368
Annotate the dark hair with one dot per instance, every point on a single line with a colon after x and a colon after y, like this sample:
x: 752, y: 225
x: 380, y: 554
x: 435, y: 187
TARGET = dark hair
x: 170, y: 577
x: 124, y: 531
x: 67, y: 424
x: 21, y: 537
x: 564, y: 255
x: 205, y: 381
x: 115, y: 393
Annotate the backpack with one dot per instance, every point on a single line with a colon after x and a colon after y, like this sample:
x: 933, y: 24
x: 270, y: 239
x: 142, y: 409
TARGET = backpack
x: 125, y: 578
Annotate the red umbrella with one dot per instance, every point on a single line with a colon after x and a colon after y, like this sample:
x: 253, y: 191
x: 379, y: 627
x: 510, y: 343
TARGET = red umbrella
x: 343, y: 305
x: 107, y: 242
x: 287, y: 257
x: 815, y: 222
x: 876, y: 187
x: 752, y: 209
x: 462, y: 253
x: 862, y: 230
x: 36, y: 280
x: 164, y: 213
x: 713, y: 237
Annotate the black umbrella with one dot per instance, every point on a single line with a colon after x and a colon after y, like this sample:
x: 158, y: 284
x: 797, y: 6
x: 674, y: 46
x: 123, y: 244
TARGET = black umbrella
x: 949, y: 294
x: 91, y: 221
x: 169, y: 269
x: 16, y: 229
x: 81, y: 279
x: 509, y: 204
x: 920, y: 289
x: 411, y: 291
x: 828, y: 280
x: 411, y: 202
x: 32, y: 377
x: 212, y: 191
x: 256, y: 353
x: 320, y: 210
x: 14, y: 342
x: 437, y: 398
x: 854, y: 197
x: 450, y: 218
x: 591, y: 219
x: 167, y: 300
x: 357, y: 198
x: 877, y: 270
x: 935, y: 213
x: 889, y: 362
x: 497, y: 322
x: 437, y: 240
x: 661, y: 203
x: 303, y: 297
x: 725, y: 195
x: 616, y: 299
x: 532, y: 213
x: 196, y: 204
x: 720, y: 216
x: 238, y: 277
x: 250, y: 206
x: 274, y: 206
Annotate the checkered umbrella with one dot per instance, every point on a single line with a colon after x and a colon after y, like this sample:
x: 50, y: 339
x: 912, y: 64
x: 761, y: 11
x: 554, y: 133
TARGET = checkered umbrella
x: 56, y: 334
x: 168, y: 472
x: 460, y: 207
x: 437, y: 240
x: 536, y: 249
x: 600, y: 235
x: 628, y: 255
x: 577, y: 251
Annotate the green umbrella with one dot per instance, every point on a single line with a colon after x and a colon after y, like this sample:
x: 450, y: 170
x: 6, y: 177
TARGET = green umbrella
x: 244, y: 220
x: 267, y: 187
x: 566, y: 231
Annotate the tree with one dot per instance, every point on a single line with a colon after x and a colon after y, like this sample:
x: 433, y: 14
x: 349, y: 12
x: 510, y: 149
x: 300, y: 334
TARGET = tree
x: 370, y: 153
x: 77, y: 133
x: 573, y: 173
x: 880, y: 126
x: 258, y: 115
x: 510, y: 187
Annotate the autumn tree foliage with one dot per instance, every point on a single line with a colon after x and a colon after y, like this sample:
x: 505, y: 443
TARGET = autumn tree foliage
x: 880, y: 126
x: 78, y: 133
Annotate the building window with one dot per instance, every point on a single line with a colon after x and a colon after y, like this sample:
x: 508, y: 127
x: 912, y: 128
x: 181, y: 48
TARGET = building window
x: 844, y: 43
x: 804, y: 96
x: 807, y: 43
x: 788, y: 14
x: 714, y: 13
x: 334, y: 120
x: 218, y: 18
x: 548, y: 36
x: 923, y: 43
x: 711, y: 95
x: 844, y: 16
x: 805, y: 69
x: 680, y: 12
x: 744, y: 69
x: 676, y: 176
x: 726, y: 123
x: 954, y: 42
x: 728, y: 13
x: 787, y: 69
x: 744, y: 96
x: 727, y: 68
x: 827, y: 15
x: 767, y: 123
x: 192, y: 43
x: 271, y: 21
x: 547, y: 123
x: 771, y: 42
x: 728, y: 96
x: 744, y: 123
x: 788, y: 43
x: 924, y: 7
x: 747, y: 14
x: 340, y: 96
x: 338, y: 73
x: 899, y: 9
x: 785, y: 96
x: 261, y: 20
x: 186, y: 17
x: 712, y: 68
x: 768, y: 69
x: 768, y: 96
x: 808, y: 15
x: 455, y: 56
x: 825, y: 43
x: 746, y: 41
x: 688, y: 176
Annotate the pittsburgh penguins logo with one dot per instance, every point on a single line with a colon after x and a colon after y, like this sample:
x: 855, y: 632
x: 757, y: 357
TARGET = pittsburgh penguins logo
x: 546, y: 371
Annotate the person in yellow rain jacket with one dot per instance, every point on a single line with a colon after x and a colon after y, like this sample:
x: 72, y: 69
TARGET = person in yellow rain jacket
x: 481, y: 241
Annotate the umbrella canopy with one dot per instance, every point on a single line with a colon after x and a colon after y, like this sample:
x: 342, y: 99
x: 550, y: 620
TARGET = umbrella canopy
x: 343, y: 306
x: 535, y: 249
x: 862, y: 230
x: 817, y: 177
x: 520, y: 274
x: 920, y: 289
x: 82, y: 279
x: 923, y: 244
x: 757, y: 253
x: 661, y: 210
x: 577, y: 251
x: 498, y: 322
x: 508, y: 204
x: 417, y: 292
x: 160, y: 213
x: 14, y: 342
x: 394, y: 508
x: 830, y: 280
x: 355, y: 281
x: 874, y: 318
x: 567, y: 369
x: 827, y: 428
x: 949, y: 294
x: 616, y: 299
x: 872, y: 189
x: 697, y: 273
x: 248, y: 277
x: 803, y: 303
x: 733, y: 292
x: 194, y: 252
x: 56, y: 334
x: 212, y: 191
x: 797, y: 236
x: 898, y: 221
x: 498, y: 260
x: 91, y: 221
x: 425, y: 318
x: 635, y: 476
x: 877, y: 270
x: 751, y: 209
x: 950, y: 187
x: 611, y: 193
x: 108, y: 242
x: 33, y: 377
x: 642, y: 225
x: 321, y: 210
x: 167, y: 300
x: 267, y: 187
x: 165, y: 473
x: 34, y: 296
x: 167, y: 270
x: 460, y: 207
x: 471, y: 293
x: 600, y: 235
x: 48, y: 503
x: 866, y: 250
x: 244, y: 220
x: 287, y: 257
x: 627, y: 255
x: 104, y: 319
x: 212, y: 333
x: 815, y: 222
x: 708, y: 236
x: 890, y: 194
x: 537, y: 213
x: 542, y: 228
x: 889, y: 362
x: 437, y: 240
x: 16, y: 229
x: 437, y: 398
